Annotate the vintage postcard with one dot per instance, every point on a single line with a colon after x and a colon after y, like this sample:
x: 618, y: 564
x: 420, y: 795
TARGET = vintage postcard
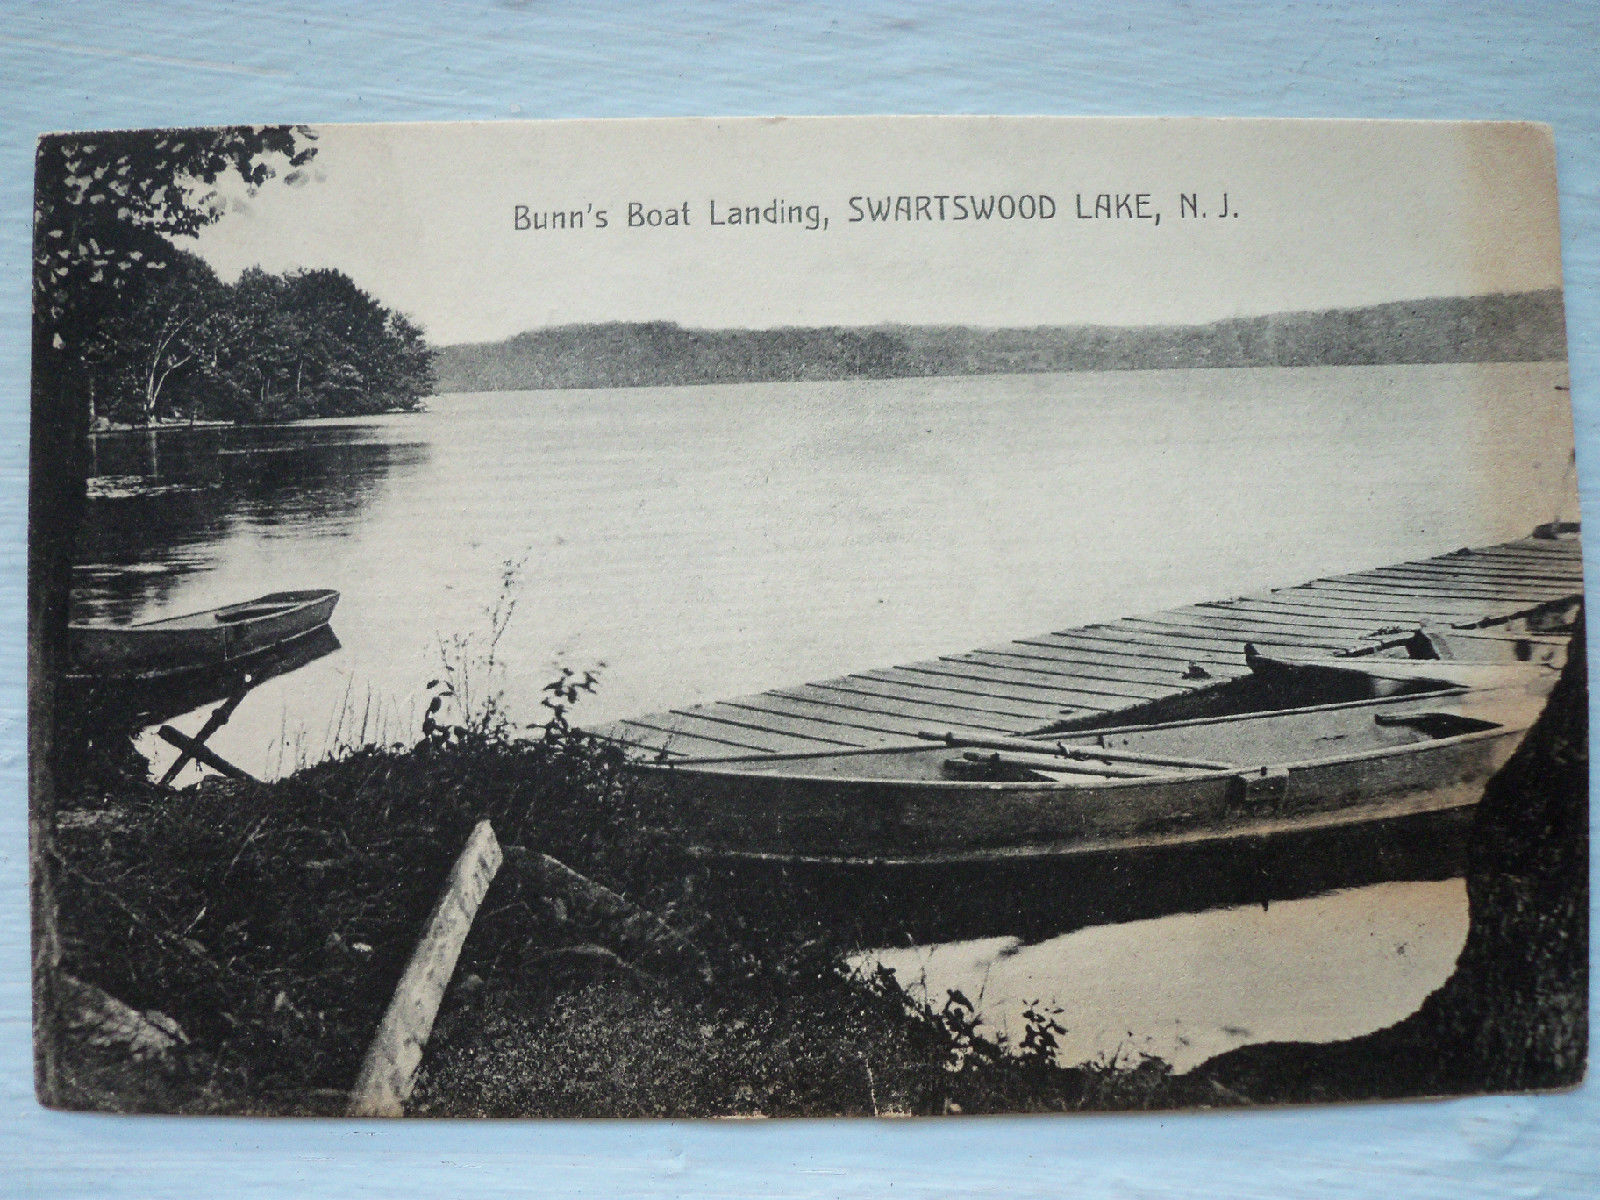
x: 863, y: 616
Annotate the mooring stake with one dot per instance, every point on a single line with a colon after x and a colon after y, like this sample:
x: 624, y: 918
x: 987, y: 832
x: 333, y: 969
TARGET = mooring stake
x: 389, y: 1070
x: 214, y: 722
x: 201, y: 753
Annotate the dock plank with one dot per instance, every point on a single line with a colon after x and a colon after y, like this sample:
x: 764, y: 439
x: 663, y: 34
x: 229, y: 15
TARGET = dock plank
x: 917, y: 710
x: 981, y: 689
x: 1112, y: 667
x: 1373, y: 616
x: 1001, y: 681
x: 1081, y: 681
x: 1491, y: 571
x: 734, y: 723
x: 922, y: 693
x: 1152, y: 646
x: 1067, y: 647
x: 1230, y: 642
x: 1476, y: 606
x: 889, y: 728
x: 1245, y: 630
x: 674, y: 742
x: 1119, y: 682
x: 744, y: 722
x: 1458, y: 589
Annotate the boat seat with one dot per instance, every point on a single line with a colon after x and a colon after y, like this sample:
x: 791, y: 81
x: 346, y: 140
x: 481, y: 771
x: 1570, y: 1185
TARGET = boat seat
x: 1435, y: 724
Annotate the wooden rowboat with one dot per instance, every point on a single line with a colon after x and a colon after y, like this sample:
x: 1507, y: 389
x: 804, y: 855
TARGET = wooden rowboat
x: 200, y: 641
x: 1415, y: 737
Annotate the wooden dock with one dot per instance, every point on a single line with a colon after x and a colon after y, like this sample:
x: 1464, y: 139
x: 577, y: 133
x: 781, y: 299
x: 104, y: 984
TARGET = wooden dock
x: 1095, y: 670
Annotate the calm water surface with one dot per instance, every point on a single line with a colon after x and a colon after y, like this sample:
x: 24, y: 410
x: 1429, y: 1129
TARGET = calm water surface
x: 702, y: 542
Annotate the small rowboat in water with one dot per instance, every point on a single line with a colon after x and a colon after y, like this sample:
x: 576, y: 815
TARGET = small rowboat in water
x: 1399, y: 738
x: 199, y: 641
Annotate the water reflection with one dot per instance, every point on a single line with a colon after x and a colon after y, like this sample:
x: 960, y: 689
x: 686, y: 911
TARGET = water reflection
x: 150, y: 701
x: 1181, y: 952
x: 1035, y: 900
x: 1185, y: 988
x: 161, y: 503
x: 712, y: 541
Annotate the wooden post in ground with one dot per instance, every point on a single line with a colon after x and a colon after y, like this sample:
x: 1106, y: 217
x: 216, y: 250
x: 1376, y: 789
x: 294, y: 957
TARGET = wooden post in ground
x: 390, y: 1068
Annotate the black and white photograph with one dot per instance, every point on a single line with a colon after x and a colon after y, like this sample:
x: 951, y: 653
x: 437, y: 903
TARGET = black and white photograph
x: 860, y: 616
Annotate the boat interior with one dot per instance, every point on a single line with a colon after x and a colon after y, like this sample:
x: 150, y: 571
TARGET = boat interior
x: 1284, y: 712
x: 233, y: 614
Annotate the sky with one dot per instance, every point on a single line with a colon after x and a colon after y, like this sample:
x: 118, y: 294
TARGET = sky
x: 1319, y: 214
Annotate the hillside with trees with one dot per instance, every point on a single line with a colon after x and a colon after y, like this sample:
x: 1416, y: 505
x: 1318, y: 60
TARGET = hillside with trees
x: 180, y: 344
x: 1526, y: 326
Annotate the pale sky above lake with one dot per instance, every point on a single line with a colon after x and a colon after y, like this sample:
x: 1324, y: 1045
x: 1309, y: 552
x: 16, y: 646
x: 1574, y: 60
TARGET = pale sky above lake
x: 1330, y: 214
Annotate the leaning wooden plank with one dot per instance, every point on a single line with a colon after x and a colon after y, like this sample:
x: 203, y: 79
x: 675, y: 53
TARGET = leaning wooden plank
x: 637, y: 932
x: 390, y: 1068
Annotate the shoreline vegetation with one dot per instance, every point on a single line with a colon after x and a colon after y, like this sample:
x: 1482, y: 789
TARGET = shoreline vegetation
x: 230, y: 948
x: 178, y: 346
x: 1519, y: 327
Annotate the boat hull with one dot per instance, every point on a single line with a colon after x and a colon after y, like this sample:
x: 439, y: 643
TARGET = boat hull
x: 1033, y: 897
x: 782, y: 813
x: 198, y: 641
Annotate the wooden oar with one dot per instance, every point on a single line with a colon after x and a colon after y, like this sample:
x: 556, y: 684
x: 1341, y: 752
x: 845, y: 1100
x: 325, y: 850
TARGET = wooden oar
x: 1049, y: 762
x: 1082, y: 753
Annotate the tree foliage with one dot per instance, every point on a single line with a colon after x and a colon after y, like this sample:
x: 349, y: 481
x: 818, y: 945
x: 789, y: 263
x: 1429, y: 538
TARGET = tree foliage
x: 140, y: 329
x: 106, y: 205
x: 183, y: 344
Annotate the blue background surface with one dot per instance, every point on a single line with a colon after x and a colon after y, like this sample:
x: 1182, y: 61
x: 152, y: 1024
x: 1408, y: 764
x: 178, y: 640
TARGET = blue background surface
x: 70, y: 66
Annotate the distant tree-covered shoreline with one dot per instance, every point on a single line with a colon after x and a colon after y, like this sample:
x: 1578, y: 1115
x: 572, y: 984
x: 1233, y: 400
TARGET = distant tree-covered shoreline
x: 1519, y: 327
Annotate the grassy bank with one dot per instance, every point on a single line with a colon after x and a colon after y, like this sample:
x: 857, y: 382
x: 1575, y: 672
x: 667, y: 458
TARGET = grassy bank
x: 271, y: 922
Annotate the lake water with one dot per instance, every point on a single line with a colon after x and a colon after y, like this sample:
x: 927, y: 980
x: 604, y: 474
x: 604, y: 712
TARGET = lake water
x: 706, y: 541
